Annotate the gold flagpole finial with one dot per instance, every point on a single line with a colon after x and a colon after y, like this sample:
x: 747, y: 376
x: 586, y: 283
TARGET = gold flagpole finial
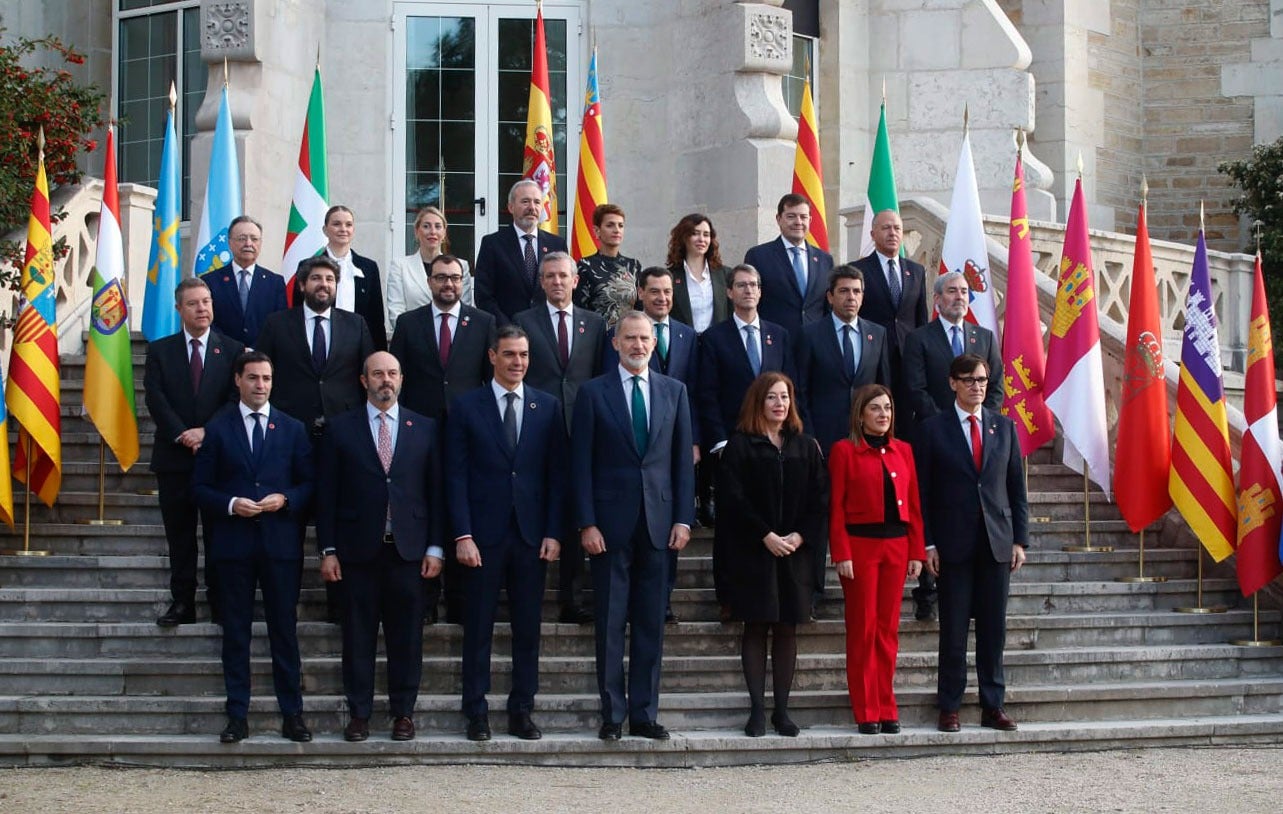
x: 40, y: 142
x: 173, y: 96
x: 1144, y: 190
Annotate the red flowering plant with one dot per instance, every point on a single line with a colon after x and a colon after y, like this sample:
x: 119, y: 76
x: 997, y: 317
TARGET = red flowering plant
x: 32, y: 96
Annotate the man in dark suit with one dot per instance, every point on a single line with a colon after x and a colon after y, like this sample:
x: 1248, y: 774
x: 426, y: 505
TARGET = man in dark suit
x: 379, y: 524
x: 976, y: 522
x: 566, y: 349
x: 188, y: 378
x: 253, y: 481
x: 506, y: 455
x: 246, y: 293
x: 506, y: 275
x: 634, y: 499
x: 793, y: 272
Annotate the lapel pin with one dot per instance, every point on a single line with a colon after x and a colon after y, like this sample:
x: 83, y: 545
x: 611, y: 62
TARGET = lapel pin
x: 768, y: 339
x: 533, y: 405
x: 463, y: 323
x: 409, y: 423
x: 869, y: 337
x: 226, y: 279
x: 271, y: 426
x: 973, y: 340
x: 218, y: 350
x: 991, y: 430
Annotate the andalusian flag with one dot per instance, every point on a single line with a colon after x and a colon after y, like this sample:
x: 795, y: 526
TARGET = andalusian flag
x: 222, y: 196
x: 109, y: 370
x: 590, y: 190
x: 303, y: 236
x: 538, y: 160
x: 160, y: 318
x: 808, y: 176
x: 33, y: 392
x: 881, y: 195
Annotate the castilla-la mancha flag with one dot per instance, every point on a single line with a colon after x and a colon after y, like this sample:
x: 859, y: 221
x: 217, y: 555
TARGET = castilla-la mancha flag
x: 1260, y: 494
x: 539, y: 161
x: 964, y: 248
x: 1075, y: 375
x: 808, y: 174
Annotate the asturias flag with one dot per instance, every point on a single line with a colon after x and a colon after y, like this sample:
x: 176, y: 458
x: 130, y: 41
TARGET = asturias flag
x: 303, y: 236
x: 539, y: 161
x: 808, y: 175
x: 160, y: 318
x: 881, y: 193
x: 222, y: 196
x: 590, y: 189
x: 964, y: 248
x: 109, y: 368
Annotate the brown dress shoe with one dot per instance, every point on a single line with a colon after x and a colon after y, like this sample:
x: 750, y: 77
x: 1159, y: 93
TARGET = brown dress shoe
x: 403, y: 728
x: 949, y: 722
x: 997, y: 719
x: 357, y: 730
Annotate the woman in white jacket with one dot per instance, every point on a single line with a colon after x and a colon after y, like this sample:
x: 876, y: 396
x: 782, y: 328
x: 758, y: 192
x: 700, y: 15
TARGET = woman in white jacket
x: 408, y: 277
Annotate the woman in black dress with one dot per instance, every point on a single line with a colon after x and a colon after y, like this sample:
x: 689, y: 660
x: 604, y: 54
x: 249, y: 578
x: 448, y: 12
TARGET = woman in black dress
x: 772, y: 496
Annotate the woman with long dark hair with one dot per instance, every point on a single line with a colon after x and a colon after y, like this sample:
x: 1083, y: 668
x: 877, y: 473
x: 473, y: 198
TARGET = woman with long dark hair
x: 699, y: 278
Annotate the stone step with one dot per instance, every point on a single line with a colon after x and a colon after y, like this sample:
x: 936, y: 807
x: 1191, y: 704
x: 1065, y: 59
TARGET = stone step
x: 72, y: 367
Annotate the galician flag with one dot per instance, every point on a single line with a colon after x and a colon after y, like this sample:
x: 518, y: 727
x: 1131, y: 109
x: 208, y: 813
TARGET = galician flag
x: 808, y: 175
x: 1075, y: 376
x: 964, y: 241
x: 590, y: 190
x: 222, y: 196
x: 881, y: 195
x: 160, y: 318
x: 539, y: 161
x: 109, y: 369
x: 303, y: 236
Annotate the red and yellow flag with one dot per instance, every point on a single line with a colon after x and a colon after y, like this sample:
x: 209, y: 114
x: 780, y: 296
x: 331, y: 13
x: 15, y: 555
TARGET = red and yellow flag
x: 808, y: 175
x: 539, y: 161
x: 590, y: 189
x: 33, y: 392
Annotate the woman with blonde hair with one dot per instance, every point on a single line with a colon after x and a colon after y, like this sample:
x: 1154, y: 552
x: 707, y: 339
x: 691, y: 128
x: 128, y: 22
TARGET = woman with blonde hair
x: 408, y: 277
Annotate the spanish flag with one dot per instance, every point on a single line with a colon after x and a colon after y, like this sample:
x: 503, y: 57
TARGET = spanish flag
x: 539, y: 162
x: 590, y: 190
x: 808, y: 175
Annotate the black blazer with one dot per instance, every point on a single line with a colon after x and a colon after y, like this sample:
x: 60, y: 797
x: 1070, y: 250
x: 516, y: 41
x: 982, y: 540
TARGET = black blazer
x: 824, y: 391
x: 725, y: 374
x: 782, y: 303
x: 266, y: 296
x: 586, y: 350
x: 499, y: 275
x: 171, y: 401
x: 367, y: 298
x: 912, y: 312
x: 298, y: 388
x: 682, y: 299
x: 426, y: 387
x: 927, y: 356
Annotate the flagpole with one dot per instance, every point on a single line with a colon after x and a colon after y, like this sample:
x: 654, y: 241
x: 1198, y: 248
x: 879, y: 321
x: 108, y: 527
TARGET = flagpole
x: 1198, y: 606
x: 1087, y: 547
x: 1140, y: 575
x: 1256, y: 640
x: 27, y: 550
x: 100, y: 520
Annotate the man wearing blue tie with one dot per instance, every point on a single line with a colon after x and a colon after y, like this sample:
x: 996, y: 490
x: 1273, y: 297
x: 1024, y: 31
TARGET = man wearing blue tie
x: 793, y: 272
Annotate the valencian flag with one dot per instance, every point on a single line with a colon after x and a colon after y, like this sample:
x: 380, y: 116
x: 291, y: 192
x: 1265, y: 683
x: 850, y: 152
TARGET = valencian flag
x: 1075, y: 379
x: 33, y: 392
x: 965, y: 249
x: 1201, y: 481
x: 1144, y: 451
x: 1260, y: 494
x: 1023, y: 363
x: 303, y: 235
x: 590, y: 190
x: 222, y: 195
x: 539, y: 162
x: 808, y: 175
x: 160, y: 318
x: 881, y: 193
x: 109, y: 369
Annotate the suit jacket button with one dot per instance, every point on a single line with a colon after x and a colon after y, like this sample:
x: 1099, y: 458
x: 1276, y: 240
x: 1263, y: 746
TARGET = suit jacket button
x: 387, y: 480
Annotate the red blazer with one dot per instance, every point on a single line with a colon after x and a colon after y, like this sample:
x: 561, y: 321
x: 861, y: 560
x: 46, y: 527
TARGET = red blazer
x: 856, y: 496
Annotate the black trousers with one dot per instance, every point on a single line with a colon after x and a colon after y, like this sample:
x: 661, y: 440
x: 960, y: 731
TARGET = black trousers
x: 179, y: 515
x: 386, y: 590
x: 975, y: 587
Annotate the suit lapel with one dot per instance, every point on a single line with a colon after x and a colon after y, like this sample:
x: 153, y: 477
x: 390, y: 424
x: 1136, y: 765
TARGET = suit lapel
x: 661, y: 409
x: 544, y: 322
x: 772, y: 355
x: 868, y: 354
x: 623, y: 413
x: 579, y: 343
x: 517, y: 253
x: 830, y: 348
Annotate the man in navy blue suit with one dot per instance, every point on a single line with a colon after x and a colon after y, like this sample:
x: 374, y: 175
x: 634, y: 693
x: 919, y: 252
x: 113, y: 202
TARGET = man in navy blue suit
x: 506, y: 275
x: 379, y: 523
x: 506, y: 455
x: 245, y: 293
x: 253, y: 480
x: 793, y: 272
x: 634, y: 499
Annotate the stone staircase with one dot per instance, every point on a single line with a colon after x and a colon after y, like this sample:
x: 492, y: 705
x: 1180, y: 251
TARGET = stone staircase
x: 1092, y: 663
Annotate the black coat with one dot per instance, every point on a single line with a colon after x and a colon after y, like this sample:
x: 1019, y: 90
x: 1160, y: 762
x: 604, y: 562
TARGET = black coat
x: 762, y: 489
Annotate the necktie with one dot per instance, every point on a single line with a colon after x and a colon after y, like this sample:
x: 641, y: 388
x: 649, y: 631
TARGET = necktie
x: 318, y: 345
x: 510, y: 420
x: 443, y: 344
x: 256, y: 437
x: 563, y: 340
x: 976, y: 449
x: 750, y: 345
x: 956, y: 341
x: 529, y: 256
x: 641, y: 433
x: 385, y: 442
x: 799, y: 268
x: 848, y: 352
x: 893, y: 282
x: 243, y: 287
x: 198, y: 367
x: 661, y: 340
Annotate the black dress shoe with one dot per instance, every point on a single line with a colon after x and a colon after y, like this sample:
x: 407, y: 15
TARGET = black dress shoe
x: 869, y: 728
x: 403, y: 728
x: 179, y: 613
x: 574, y: 615
x: 924, y: 610
x: 997, y: 719
x: 478, y: 729
x: 293, y: 728
x: 648, y: 729
x: 890, y: 727
x: 610, y: 732
x: 520, y: 725
x: 357, y: 730
x: 237, y: 730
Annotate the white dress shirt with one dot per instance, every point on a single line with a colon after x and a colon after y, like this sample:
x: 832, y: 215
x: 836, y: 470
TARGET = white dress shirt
x: 247, y: 422
x: 757, y: 334
x: 500, y: 399
x: 393, y: 414
x: 454, y: 321
x: 309, y: 326
x: 626, y: 377
x: 345, y: 291
x: 554, y: 316
x: 700, y: 293
x: 838, y: 325
x: 203, y: 339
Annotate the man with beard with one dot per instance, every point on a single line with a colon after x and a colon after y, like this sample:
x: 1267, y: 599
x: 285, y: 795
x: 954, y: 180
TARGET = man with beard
x: 507, y: 270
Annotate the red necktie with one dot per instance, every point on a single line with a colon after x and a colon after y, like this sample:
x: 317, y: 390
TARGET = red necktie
x: 563, y: 340
x: 976, y: 449
x: 197, y: 366
x: 444, y: 345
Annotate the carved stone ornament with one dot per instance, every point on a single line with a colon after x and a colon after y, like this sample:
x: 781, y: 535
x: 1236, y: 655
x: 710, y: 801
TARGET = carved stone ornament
x: 768, y: 40
x: 227, y: 29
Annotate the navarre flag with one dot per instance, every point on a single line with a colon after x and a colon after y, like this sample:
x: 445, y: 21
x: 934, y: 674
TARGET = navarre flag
x: 1075, y: 378
x: 1143, y: 454
x: 160, y: 318
x: 33, y: 392
x: 808, y: 175
x: 109, y: 368
x: 303, y: 235
x: 222, y: 196
x: 881, y: 193
x: 1023, y: 362
x: 1201, y: 480
x: 6, y: 481
x: 965, y: 249
x: 590, y: 188
x: 539, y: 161
x: 1260, y: 493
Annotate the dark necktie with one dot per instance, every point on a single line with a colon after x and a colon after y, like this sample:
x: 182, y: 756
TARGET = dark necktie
x: 750, y: 345
x: 848, y: 352
x: 956, y: 341
x: 532, y: 264
x: 661, y: 341
x: 443, y: 344
x: 799, y: 268
x: 243, y: 289
x: 198, y: 367
x: 256, y: 437
x: 563, y: 340
x: 641, y: 432
x: 893, y: 282
x: 510, y: 420
x: 976, y: 449
x: 318, y: 345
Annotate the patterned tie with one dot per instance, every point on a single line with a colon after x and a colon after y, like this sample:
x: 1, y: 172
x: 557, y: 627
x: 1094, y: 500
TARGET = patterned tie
x: 661, y: 340
x: 893, y: 282
x: 256, y: 436
x: 641, y: 432
x: 243, y: 287
x: 510, y: 420
x: 956, y: 341
x: 799, y: 268
x: 532, y: 265
x: 198, y: 367
x: 750, y: 345
x: 443, y: 345
x: 976, y: 449
x: 563, y: 340
x: 385, y: 443
x: 848, y: 352
x: 318, y: 345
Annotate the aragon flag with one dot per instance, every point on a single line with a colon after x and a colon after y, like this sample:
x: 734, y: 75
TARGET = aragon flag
x: 808, y: 174
x: 539, y: 161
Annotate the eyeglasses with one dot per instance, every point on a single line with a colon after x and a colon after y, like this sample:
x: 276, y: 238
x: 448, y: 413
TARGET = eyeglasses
x: 972, y: 381
x: 447, y: 278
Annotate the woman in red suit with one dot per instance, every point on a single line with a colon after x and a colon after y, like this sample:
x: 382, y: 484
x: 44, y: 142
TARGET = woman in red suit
x: 875, y: 539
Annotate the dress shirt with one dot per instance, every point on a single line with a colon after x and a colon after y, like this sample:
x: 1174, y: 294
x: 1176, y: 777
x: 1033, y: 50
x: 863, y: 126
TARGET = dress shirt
x: 700, y: 293
x: 838, y: 325
x: 247, y: 421
x: 203, y: 339
x: 236, y: 274
x: 309, y: 325
x: 964, y: 422
x: 947, y: 327
x: 393, y: 414
x: 345, y: 291
x: 499, y: 393
x: 570, y: 325
x: 757, y: 334
x: 534, y: 244
x: 789, y: 246
x: 883, y: 260
x: 626, y: 378
x: 454, y: 321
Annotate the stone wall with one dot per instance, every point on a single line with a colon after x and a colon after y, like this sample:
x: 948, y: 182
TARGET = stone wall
x: 1115, y: 70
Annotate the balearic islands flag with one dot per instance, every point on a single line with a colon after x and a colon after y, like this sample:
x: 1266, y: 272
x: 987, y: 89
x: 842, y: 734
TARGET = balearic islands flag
x: 590, y: 189
x: 539, y: 161
x: 109, y: 368
x: 964, y: 248
x: 808, y: 174
x: 303, y: 236
x: 160, y: 318
x: 222, y: 196
x: 881, y: 195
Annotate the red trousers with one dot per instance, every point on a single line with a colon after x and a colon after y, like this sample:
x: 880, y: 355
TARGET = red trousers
x: 873, y: 599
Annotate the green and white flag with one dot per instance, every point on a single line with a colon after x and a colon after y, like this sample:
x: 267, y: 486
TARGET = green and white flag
x: 304, y: 238
x: 881, y: 195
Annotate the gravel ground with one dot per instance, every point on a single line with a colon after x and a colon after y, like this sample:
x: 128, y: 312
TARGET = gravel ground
x: 1206, y: 781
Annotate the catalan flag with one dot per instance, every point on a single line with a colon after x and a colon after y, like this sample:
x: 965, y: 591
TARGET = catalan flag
x: 590, y: 189
x: 160, y: 318
x: 881, y: 191
x: 109, y: 370
x: 303, y: 235
x: 539, y: 161
x: 1201, y: 480
x: 808, y: 175
x: 222, y: 196
x: 33, y: 392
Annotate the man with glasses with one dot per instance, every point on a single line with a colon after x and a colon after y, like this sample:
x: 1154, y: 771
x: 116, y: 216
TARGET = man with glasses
x: 244, y: 292
x: 976, y: 523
